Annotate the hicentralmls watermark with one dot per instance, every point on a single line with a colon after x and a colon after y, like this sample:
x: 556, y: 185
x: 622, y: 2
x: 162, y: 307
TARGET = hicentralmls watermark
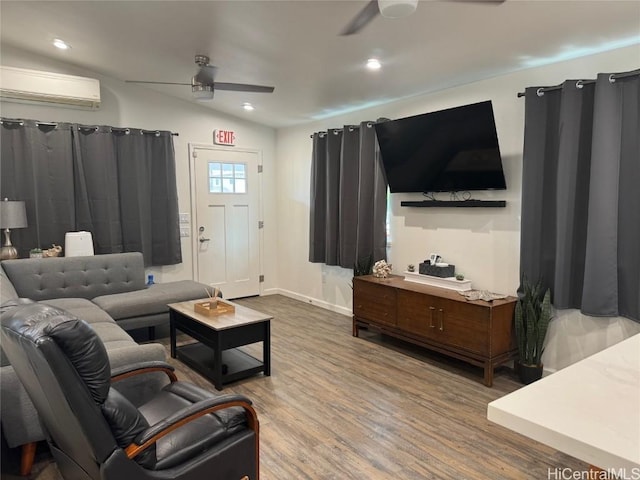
x: 560, y: 473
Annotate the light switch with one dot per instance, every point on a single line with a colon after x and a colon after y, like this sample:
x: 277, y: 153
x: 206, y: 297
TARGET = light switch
x: 184, y: 218
x: 184, y: 231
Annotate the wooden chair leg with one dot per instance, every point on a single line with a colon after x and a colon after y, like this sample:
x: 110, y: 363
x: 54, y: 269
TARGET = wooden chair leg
x: 28, y: 456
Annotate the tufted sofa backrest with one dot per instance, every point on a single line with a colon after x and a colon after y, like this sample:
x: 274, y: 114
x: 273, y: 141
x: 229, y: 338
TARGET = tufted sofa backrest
x: 76, y: 277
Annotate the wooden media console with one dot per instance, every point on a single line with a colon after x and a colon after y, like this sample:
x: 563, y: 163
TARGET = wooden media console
x: 478, y: 332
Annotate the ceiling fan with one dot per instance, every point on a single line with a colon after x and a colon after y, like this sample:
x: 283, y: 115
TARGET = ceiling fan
x: 203, y: 84
x: 389, y: 9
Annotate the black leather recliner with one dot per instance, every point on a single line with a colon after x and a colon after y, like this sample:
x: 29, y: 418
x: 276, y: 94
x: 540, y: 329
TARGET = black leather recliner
x: 94, y: 432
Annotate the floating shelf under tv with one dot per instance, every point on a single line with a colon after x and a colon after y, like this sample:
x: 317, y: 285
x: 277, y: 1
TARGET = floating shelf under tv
x: 455, y: 203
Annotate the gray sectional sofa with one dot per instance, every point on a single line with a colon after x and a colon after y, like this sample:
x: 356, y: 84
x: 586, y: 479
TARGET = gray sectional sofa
x: 109, y: 293
x: 114, y: 282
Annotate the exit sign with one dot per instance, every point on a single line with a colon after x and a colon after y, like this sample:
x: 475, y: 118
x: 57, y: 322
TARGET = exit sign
x: 224, y: 137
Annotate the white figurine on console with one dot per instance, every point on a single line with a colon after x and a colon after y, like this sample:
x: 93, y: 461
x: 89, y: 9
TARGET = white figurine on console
x: 382, y: 269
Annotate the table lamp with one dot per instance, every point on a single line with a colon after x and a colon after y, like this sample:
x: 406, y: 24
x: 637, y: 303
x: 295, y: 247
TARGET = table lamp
x: 12, y: 215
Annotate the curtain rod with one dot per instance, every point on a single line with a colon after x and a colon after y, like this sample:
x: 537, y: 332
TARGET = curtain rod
x: 86, y: 127
x: 579, y: 84
x: 336, y: 130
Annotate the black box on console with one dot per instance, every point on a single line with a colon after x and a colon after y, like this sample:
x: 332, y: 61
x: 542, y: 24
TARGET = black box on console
x: 425, y: 268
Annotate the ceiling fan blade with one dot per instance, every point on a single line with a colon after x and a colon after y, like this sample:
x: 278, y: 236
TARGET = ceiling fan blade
x: 364, y: 16
x: 242, y: 87
x: 156, y: 83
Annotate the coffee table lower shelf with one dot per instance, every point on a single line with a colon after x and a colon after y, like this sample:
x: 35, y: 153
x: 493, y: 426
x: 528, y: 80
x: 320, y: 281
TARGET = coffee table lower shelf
x: 236, y: 364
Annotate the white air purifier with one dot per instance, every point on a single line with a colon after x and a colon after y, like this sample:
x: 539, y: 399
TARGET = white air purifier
x: 78, y: 244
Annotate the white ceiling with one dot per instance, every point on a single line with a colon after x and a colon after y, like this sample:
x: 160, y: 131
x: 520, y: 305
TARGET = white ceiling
x: 295, y: 47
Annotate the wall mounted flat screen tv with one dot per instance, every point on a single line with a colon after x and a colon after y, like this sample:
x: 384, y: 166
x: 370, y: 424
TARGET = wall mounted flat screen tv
x: 444, y: 151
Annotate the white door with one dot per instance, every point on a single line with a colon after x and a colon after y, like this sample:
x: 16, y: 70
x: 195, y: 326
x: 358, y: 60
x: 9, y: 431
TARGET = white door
x: 227, y: 196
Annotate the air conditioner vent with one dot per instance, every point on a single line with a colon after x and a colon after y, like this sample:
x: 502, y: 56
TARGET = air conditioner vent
x: 34, y: 86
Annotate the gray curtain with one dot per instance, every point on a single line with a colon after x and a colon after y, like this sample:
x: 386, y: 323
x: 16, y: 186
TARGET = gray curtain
x: 119, y: 184
x: 333, y: 200
x: 372, y: 198
x: 348, y: 197
x: 37, y: 167
x: 97, y: 187
x: 348, y: 212
x: 162, y: 192
x: 318, y: 207
x: 580, y: 229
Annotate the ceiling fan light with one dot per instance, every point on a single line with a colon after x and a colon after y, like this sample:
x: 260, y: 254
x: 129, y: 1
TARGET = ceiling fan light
x: 397, y: 8
x: 202, y: 92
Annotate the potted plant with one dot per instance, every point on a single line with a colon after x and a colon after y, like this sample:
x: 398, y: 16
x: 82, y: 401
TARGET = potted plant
x: 532, y: 316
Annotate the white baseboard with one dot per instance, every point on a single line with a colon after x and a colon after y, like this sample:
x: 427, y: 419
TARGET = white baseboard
x: 309, y: 300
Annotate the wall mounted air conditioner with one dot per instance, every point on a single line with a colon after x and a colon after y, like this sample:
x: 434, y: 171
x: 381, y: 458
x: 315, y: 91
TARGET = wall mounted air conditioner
x: 23, y: 85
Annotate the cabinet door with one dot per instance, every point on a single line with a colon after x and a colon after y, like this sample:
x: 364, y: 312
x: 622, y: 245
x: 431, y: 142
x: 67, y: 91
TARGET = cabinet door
x: 376, y: 303
x: 417, y: 313
x: 464, y: 325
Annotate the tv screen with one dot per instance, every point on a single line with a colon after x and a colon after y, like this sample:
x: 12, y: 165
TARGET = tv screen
x: 444, y: 151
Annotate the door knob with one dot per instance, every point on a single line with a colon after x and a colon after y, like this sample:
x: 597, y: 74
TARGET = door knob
x: 202, y: 239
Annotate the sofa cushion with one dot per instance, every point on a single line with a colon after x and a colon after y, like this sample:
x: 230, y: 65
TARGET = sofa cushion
x: 152, y: 300
x: 81, y: 308
x: 76, y: 277
x: 107, y: 329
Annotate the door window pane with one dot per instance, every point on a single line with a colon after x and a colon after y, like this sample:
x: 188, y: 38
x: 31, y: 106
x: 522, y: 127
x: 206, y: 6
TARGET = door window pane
x: 215, y: 185
x: 227, y: 185
x: 241, y: 185
x: 227, y: 169
x: 227, y: 177
x: 214, y: 169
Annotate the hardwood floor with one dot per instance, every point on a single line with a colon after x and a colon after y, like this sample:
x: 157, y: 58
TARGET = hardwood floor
x: 339, y: 407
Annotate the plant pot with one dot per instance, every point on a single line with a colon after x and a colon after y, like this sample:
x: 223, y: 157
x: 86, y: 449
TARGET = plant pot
x: 528, y: 373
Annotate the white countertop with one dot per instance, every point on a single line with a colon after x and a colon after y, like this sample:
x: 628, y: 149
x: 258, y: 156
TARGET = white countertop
x: 589, y: 410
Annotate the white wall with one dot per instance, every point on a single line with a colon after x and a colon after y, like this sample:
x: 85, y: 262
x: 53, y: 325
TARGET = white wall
x: 482, y: 243
x: 125, y: 105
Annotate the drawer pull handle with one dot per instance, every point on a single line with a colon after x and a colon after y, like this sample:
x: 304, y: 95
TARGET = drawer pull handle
x: 431, y: 325
x: 441, y: 320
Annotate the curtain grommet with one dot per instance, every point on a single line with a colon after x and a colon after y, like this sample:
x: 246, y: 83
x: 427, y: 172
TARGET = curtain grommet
x: 540, y: 92
x: 612, y: 78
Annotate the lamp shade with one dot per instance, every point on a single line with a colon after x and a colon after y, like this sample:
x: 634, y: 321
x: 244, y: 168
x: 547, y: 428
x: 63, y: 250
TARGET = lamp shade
x: 12, y: 214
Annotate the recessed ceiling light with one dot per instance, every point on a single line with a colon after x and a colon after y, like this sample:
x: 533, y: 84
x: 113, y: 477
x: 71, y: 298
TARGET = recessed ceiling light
x: 61, y: 44
x: 373, y: 64
x: 248, y: 107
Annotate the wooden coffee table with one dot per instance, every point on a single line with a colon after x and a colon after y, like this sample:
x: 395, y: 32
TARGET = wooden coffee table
x: 215, y: 354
